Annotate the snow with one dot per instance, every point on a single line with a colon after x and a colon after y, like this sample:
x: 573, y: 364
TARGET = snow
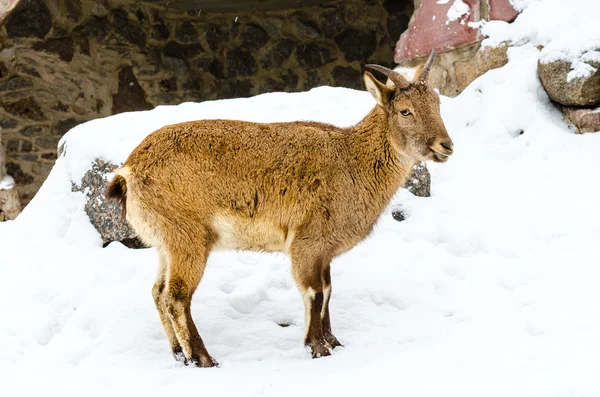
x: 488, y: 288
x: 7, y: 183
x: 458, y: 9
x: 567, y: 31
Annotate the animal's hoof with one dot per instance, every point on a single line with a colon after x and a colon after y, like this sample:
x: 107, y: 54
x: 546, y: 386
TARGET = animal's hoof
x: 319, y: 349
x: 203, y: 362
x: 332, y: 341
x: 179, y: 356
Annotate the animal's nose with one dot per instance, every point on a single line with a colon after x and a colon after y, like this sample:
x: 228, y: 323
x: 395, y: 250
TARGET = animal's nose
x: 448, y: 145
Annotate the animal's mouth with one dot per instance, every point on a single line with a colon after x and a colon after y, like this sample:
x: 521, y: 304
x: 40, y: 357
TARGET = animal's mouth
x: 439, y: 157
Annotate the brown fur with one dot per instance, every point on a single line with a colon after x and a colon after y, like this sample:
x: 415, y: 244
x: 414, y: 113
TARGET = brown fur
x: 309, y: 189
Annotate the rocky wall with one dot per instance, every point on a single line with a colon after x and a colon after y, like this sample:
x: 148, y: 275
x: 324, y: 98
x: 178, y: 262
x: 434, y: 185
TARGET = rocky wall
x: 63, y: 62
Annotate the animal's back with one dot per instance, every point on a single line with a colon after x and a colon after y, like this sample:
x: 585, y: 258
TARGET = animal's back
x: 252, y: 184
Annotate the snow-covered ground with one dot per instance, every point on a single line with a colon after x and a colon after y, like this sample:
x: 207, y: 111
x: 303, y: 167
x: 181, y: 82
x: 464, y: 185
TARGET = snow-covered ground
x: 489, y: 288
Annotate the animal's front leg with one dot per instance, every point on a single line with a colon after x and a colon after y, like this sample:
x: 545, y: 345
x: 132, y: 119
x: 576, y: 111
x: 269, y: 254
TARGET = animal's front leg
x: 325, y: 320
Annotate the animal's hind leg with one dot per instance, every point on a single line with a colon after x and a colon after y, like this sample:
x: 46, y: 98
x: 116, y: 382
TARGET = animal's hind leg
x: 185, y: 270
x: 307, y: 266
x: 325, y: 321
x: 158, y: 293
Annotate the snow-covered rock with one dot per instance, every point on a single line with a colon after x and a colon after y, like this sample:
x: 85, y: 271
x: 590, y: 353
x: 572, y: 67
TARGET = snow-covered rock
x: 445, y: 25
x: 572, y: 84
x: 105, y: 215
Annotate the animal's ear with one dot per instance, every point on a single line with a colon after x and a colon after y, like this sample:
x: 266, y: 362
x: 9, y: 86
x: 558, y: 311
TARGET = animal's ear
x: 380, y: 92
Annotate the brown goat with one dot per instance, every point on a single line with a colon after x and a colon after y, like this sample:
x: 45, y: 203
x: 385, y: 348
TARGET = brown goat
x: 307, y: 189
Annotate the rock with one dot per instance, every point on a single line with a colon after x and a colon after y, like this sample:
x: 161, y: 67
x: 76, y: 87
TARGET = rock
x: 98, y: 27
x: 30, y: 19
x: 104, y: 214
x: 419, y: 181
x: 64, y: 47
x: 99, y: 10
x: 160, y: 31
x: 279, y: 52
x: 332, y: 22
x: 428, y: 30
x: 8, y: 123
x: 581, y: 91
x: 27, y: 108
x: 216, y: 35
x: 398, y: 215
x: 313, y: 55
x: 305, y: 27
x: 235, y: 88
x: 128, y: 29
x: 398, y: 17
x: 73, y: 9
x: 346, y: 76
x: 16, y: 83
x: 20, y: 177
x: 10, y: 205
x: 61, y: 127
x: 453, y: 71
x: 186, y: 32
x: 501, y: 10
x: 254, y: 37
x: 18, y: 145
x: 240, y: 62
x: 33, y: 131
x: 131, y: 95
x: 47, y: 142
x: 356, y: 45
x: 3, y: 70
x: 430, y: 27
x: 584, y: 120
x: 485, y: 59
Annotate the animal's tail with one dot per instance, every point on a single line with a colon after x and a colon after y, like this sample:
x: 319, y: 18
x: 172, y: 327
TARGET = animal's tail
x: 117, y: 190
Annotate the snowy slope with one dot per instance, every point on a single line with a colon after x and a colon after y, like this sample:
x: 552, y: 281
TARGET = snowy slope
x: 489, y: 288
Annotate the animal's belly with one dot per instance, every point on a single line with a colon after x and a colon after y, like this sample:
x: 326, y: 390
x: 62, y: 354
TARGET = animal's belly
x: 237, y: 233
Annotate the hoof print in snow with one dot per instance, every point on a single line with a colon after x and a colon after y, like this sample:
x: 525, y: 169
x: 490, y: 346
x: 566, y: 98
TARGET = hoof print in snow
x: 105, y: 214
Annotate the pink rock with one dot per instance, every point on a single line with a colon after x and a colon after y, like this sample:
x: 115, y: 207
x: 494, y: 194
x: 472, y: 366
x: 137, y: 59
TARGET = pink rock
x: 586, y: 120
x: 431, y: 29
x: 502, y: 10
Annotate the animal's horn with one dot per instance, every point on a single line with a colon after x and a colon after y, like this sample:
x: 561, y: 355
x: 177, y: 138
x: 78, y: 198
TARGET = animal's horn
x: 427, y: 66
x: 398, y: 80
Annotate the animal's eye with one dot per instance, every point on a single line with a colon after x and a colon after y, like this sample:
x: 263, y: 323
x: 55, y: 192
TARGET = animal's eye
x: 405, y: 112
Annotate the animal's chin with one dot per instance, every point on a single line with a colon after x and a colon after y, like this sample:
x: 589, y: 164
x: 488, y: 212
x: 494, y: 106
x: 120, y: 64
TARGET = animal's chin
x: 438, y: 157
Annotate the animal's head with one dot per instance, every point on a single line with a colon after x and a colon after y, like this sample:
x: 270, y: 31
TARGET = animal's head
x: 413, y: 113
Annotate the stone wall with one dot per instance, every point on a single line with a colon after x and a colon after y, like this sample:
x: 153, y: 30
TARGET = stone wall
x: 63, y: 62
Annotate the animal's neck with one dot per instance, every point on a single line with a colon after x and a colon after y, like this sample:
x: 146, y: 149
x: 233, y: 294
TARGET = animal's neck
x: 378, y: 168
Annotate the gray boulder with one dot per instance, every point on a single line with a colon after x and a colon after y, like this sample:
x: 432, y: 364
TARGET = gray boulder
x: 582, y: 91
x: 104, y: 214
